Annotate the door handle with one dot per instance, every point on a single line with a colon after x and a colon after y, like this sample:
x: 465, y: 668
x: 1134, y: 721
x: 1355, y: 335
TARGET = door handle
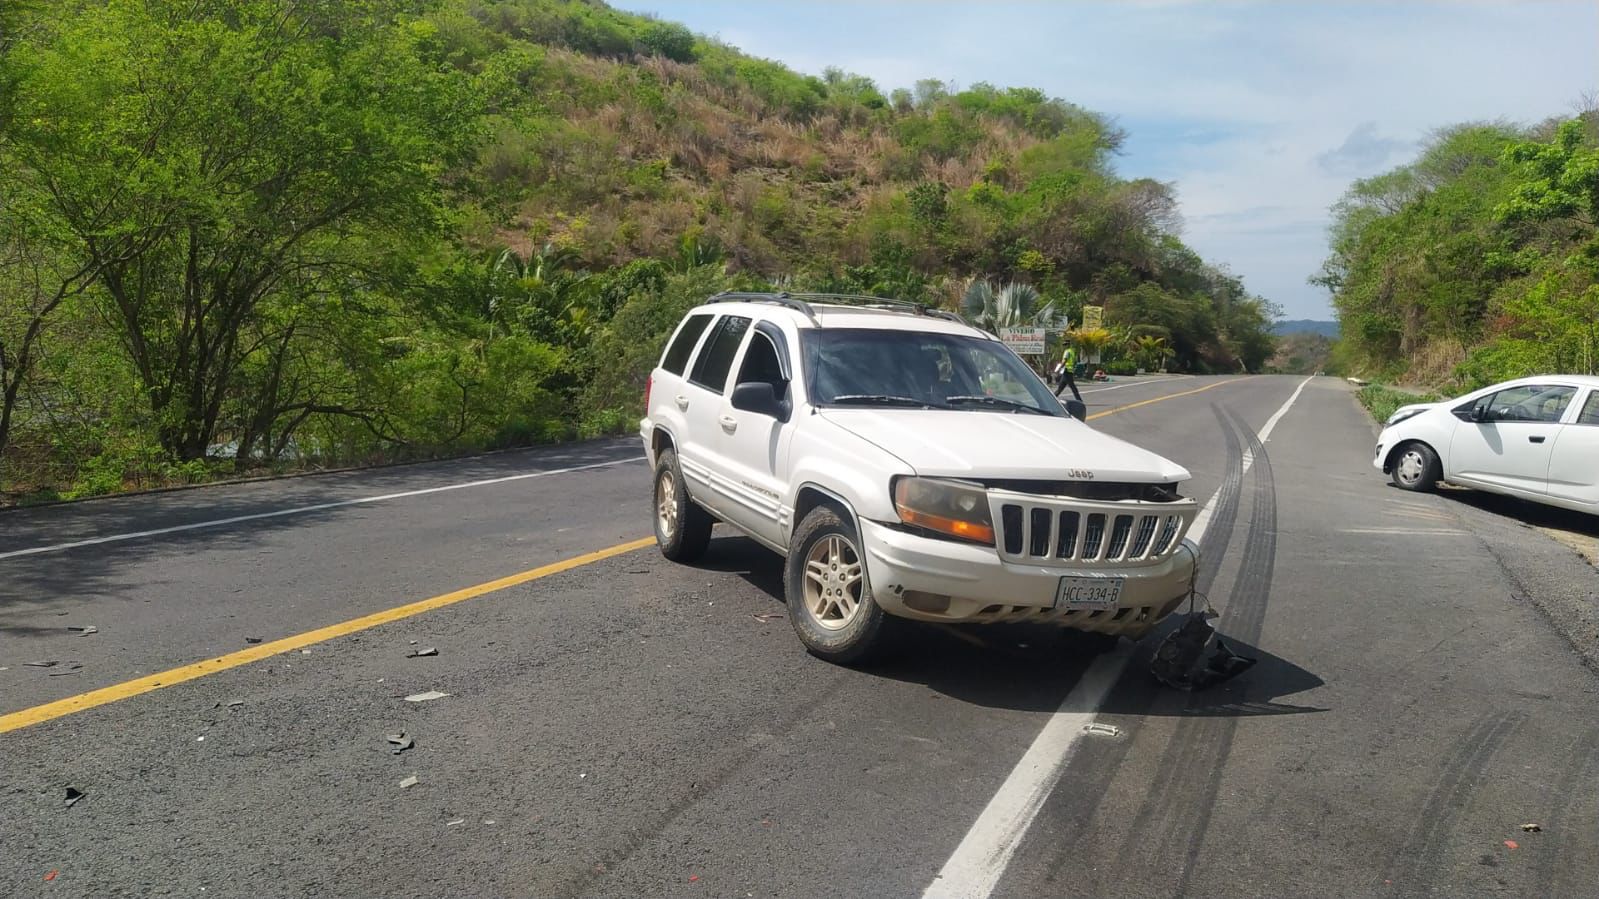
x: 729, y: 423
x: 1536, y: 439
x: 682, y: 401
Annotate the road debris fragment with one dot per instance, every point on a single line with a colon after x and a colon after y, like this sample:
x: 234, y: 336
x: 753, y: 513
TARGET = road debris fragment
x: 1102, y: 730
x: 769, y: 616
x: 252, y: 639
x: 73, y: 795
x: 305, y: 652
x: 83, y: 630
x: 1532, y: 828
x: 1512, y: 844
x: 424, y: 697
x: 419, y: 653
x: 200, y: 739
x: 51, y: 876
x: 46, y: 663
x: 71, y: 672
x: 408, y: 782
x: 235, y: 702
x: 399, y: 743
x: 1176, y: 661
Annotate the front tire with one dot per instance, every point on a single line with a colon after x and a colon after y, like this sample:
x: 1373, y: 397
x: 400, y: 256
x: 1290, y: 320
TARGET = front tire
x: 1416, y: 468
x: 829, y: 599
x: 682, y: 528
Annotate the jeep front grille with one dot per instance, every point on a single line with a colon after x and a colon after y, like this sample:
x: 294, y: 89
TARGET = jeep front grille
x: 1056, y: 531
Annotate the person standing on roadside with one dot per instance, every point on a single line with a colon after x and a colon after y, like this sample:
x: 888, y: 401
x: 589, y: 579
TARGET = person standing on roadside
x: 1068, y: 370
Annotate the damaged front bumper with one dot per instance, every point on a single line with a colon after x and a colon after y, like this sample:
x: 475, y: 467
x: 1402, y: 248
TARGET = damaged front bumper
x: 929, y: 579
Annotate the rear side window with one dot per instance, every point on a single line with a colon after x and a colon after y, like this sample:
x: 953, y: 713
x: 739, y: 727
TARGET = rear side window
x: 711, y: 368
x: 1590, y: 411
x: 683, y: 345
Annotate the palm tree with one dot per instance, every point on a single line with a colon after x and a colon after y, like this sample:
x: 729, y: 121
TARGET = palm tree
x: 1091, y: 342
x: 1016, y: 305
x: 1151, y: 351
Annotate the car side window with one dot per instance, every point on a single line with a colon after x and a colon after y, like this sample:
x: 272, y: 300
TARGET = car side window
x: 1590, y: 410
x: 761, y: 363
x: 682, y: 347
x: 716, y: 358
x: 1528, y: 403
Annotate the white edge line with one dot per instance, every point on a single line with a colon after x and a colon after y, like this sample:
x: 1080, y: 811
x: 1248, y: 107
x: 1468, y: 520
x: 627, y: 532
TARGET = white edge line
x: 278, y: 513
x: 1129, y: 384
x: 976, y: 865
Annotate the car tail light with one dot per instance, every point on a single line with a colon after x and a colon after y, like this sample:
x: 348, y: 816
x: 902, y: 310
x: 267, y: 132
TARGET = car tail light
x: 648, y: 384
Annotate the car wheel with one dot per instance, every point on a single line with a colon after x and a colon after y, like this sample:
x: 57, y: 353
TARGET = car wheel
x: 1416, y: 467
x: 682, y: 528
x: 829, y: 598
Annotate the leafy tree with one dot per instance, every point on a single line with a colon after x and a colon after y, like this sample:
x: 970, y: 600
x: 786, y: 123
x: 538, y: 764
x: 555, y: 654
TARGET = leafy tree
x: 222, y: 166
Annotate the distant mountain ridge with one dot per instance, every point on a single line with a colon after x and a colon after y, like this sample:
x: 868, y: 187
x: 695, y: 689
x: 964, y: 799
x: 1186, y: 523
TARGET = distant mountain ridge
x: 1306, y: 326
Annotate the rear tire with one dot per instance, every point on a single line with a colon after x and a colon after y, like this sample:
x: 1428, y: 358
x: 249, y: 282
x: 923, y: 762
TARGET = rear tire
x: 682, y: 528
x: 829, y: 598
x: 1416, y: 468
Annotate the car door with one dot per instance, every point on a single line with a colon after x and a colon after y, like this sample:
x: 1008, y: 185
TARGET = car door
x: 700, y: 400
x: 668, y: 400
x: 1574, y: 460
x: 1507, y: 439
x: 754, y: 444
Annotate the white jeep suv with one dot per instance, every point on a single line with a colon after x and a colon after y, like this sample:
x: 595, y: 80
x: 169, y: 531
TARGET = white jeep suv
x: 907, y: 465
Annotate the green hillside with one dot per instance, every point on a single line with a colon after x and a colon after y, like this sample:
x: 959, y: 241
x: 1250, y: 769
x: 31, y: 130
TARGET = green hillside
x: 1478, y: 261
x: 240, y: 235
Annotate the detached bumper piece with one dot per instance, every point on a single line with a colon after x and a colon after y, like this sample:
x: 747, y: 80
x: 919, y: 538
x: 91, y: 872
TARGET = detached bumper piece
x: 1177, y: 660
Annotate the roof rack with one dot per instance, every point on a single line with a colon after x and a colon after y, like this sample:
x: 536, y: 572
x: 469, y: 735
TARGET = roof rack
x: 798, y: 302
x: 778, y: 299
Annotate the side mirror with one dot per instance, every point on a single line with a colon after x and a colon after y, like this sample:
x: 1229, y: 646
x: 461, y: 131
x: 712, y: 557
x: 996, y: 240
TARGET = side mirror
x: 759, y: 397
x: 1077, y: 409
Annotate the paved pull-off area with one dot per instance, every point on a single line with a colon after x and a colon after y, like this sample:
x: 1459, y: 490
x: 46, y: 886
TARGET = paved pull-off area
x: 1423, y: 720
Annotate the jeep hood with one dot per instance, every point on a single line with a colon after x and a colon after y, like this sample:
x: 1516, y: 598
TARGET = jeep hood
x: 997, y: 445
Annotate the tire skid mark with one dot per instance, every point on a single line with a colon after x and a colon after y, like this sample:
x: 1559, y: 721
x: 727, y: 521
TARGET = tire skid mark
x: 1414, y: 868
x: 1245, y: 615
x: 1096, y: 765
x: 1172, y: 822
x: 1560, y: 860
x: 1218, y: 535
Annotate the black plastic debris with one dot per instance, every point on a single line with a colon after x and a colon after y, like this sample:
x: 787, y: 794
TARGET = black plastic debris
x: 399, y: 743
x: 46, y: 663
x: 1177, y: 660
x: 73, y: 795
x: 252, y: 639
x: 418, y: 653
x: 83, y: 630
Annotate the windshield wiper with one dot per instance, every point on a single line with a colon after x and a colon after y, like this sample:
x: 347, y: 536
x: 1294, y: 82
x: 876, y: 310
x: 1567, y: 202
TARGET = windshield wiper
x: 996, y: 401
x: 878, y: 399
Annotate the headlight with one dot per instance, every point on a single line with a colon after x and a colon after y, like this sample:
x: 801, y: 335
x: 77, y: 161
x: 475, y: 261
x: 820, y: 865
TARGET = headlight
x: 947, y: 507
x: 1402, y: 415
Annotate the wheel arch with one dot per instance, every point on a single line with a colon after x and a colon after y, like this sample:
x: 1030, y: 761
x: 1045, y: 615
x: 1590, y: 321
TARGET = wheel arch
x: 1388, y: 461
x: 811, y: 495
x: 661, y: 439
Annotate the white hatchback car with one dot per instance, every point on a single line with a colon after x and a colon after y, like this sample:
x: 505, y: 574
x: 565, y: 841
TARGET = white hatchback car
x: 1536, y: 438
x: 907, y: 465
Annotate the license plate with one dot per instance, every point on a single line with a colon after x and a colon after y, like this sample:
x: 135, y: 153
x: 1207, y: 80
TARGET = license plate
x: 1088, y: 592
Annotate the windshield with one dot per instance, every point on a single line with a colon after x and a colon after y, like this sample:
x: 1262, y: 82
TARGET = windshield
x: 921, y: 370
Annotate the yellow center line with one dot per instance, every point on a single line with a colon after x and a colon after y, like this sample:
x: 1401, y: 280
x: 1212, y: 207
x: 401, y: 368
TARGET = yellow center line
x: 1159, y: 399
x: 127, y: 689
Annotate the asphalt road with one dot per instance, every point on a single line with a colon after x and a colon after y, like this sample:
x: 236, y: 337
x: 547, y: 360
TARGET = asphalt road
x: 628, y: 727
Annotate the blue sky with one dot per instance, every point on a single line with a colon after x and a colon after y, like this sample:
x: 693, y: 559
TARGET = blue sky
x: 1260, y: 113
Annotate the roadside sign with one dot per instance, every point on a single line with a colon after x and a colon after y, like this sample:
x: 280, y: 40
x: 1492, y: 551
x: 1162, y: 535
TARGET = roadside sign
x: 1025, y: 341
x: 1093, y: 318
